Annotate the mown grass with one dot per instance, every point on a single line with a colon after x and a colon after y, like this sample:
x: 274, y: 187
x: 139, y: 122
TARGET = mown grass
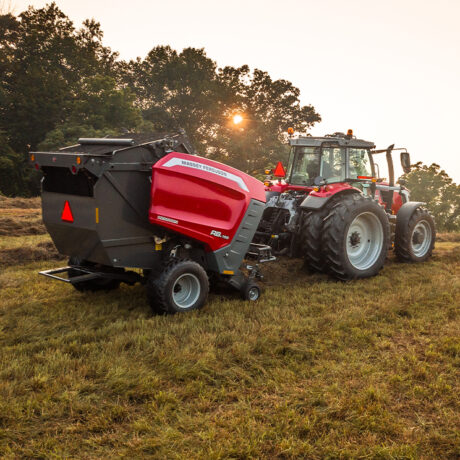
x: 315, y: 369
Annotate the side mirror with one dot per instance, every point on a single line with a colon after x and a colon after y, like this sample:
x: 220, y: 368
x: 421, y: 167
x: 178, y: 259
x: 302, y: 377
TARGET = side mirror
x: 405, y: 162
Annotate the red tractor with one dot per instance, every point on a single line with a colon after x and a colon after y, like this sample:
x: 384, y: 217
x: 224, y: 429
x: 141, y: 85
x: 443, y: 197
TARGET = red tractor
x: 331, y: 208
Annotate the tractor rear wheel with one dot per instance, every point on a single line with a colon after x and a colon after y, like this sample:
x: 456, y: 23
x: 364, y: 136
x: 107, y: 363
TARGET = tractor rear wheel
x: 99, y: 284
x: 356, y: 238
x: 181, y: 286
x: 310, y: 237
x: 415, y: 243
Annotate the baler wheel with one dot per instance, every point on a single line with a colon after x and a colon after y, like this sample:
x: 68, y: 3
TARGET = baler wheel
x: 182, y: 286
x: 100, y: 284
x: 251, y: 291
x: 356, y: 238
x: 415, y: 243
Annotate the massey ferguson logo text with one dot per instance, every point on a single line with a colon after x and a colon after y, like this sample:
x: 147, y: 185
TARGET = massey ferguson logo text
x: 219, y: 234
x: 206, y: 168
x: 203, y: 167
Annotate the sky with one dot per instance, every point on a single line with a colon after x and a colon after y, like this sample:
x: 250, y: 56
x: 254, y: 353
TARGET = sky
x: 390, y: 70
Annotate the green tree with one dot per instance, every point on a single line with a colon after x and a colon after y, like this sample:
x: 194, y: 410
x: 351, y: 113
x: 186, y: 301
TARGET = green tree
x: 177, y: 90
x: 432, y: 185
x: 43, y: 61
x: 102, y: 109
x: 268, y: 107
x: 11, y: 169
x: 187, y: 90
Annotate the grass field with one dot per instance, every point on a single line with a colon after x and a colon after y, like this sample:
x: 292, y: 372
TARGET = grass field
x: 315, y: 369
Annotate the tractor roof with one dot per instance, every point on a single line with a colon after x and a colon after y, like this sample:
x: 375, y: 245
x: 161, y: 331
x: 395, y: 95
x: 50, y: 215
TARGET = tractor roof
x: 340, y: 139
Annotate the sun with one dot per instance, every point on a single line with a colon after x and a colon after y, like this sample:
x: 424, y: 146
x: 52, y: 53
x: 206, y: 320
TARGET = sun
x: 237, y: 119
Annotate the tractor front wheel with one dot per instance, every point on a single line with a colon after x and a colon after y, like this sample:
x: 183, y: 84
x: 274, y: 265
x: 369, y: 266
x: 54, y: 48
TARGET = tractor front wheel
x: 181, y: 286
x: 415, y: 242
x: 356, y: 238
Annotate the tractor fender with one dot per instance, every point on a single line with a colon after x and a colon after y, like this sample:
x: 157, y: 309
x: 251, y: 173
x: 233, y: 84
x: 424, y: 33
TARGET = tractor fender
x: 312, y: 202
x: 405, y: 213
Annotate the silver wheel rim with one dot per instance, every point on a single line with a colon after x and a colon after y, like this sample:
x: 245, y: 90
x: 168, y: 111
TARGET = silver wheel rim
x: 420, y: 239
x: 364, y: 240
x: 186, y: 290
x: 253, y: 294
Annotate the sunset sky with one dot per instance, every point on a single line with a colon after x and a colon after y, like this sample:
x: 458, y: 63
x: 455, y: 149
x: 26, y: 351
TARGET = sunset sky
x: 388, y: 69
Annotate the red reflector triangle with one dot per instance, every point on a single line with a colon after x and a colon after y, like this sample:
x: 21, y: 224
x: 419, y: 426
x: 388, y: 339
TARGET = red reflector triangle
x: 67, y: 213
x: 279, y: 170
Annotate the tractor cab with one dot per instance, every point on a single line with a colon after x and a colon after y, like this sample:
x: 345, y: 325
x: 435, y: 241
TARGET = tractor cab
x: 330, y: 159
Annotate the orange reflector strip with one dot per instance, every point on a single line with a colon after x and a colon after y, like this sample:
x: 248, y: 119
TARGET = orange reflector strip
x: 228, y: 272
x: 66, y: 215
x: 97, y: 215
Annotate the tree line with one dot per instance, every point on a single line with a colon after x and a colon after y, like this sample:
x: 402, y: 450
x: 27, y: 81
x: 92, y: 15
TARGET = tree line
x: 59, y: 83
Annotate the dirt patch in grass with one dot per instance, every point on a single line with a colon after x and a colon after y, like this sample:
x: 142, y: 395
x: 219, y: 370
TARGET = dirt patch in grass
x: 20, y: 216
x: 23, y: 203
x: 448, y: 237
x: 21, y: 225
x: 26, y: 254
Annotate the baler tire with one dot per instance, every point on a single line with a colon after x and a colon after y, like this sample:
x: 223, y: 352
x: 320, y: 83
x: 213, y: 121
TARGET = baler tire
x: 163, y: 290
x: 101, y: 284
x: 338, y: 244
x: 251, y: 291
x: 405, y: 249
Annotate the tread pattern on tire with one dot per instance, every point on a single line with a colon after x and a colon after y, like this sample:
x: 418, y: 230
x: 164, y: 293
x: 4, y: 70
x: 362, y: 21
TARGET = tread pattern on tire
x: 157, y: 284
x: 310, y: 237
x: 402, y: 239
x: 333, y: 241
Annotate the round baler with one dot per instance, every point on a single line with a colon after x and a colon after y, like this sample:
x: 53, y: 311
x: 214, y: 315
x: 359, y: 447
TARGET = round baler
x: 148, y: 203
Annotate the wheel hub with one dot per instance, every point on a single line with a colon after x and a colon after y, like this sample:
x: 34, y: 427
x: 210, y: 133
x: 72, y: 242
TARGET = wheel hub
x: 417, y: 237
x: 186, y: 290
x: 421, y: 238
x: 365, y: 240
x: 355, y: 239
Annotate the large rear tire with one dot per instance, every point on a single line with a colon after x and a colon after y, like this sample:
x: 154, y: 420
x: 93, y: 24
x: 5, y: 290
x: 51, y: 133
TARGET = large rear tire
x: 100, y: 284
x: 415, y: 243
x: 310, y: 237
x: 356, y: 238
x: 181, y: 286
x: 311, y: 231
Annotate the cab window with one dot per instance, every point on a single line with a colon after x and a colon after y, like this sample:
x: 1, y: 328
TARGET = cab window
x: 333, y: 164
x: 359, y: 163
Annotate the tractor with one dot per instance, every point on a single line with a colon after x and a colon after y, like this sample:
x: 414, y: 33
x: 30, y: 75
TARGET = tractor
x: 331, y: 208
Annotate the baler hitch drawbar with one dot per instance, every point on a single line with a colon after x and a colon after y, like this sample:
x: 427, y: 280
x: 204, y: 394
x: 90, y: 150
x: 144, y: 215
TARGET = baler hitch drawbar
x: 87, y: 274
